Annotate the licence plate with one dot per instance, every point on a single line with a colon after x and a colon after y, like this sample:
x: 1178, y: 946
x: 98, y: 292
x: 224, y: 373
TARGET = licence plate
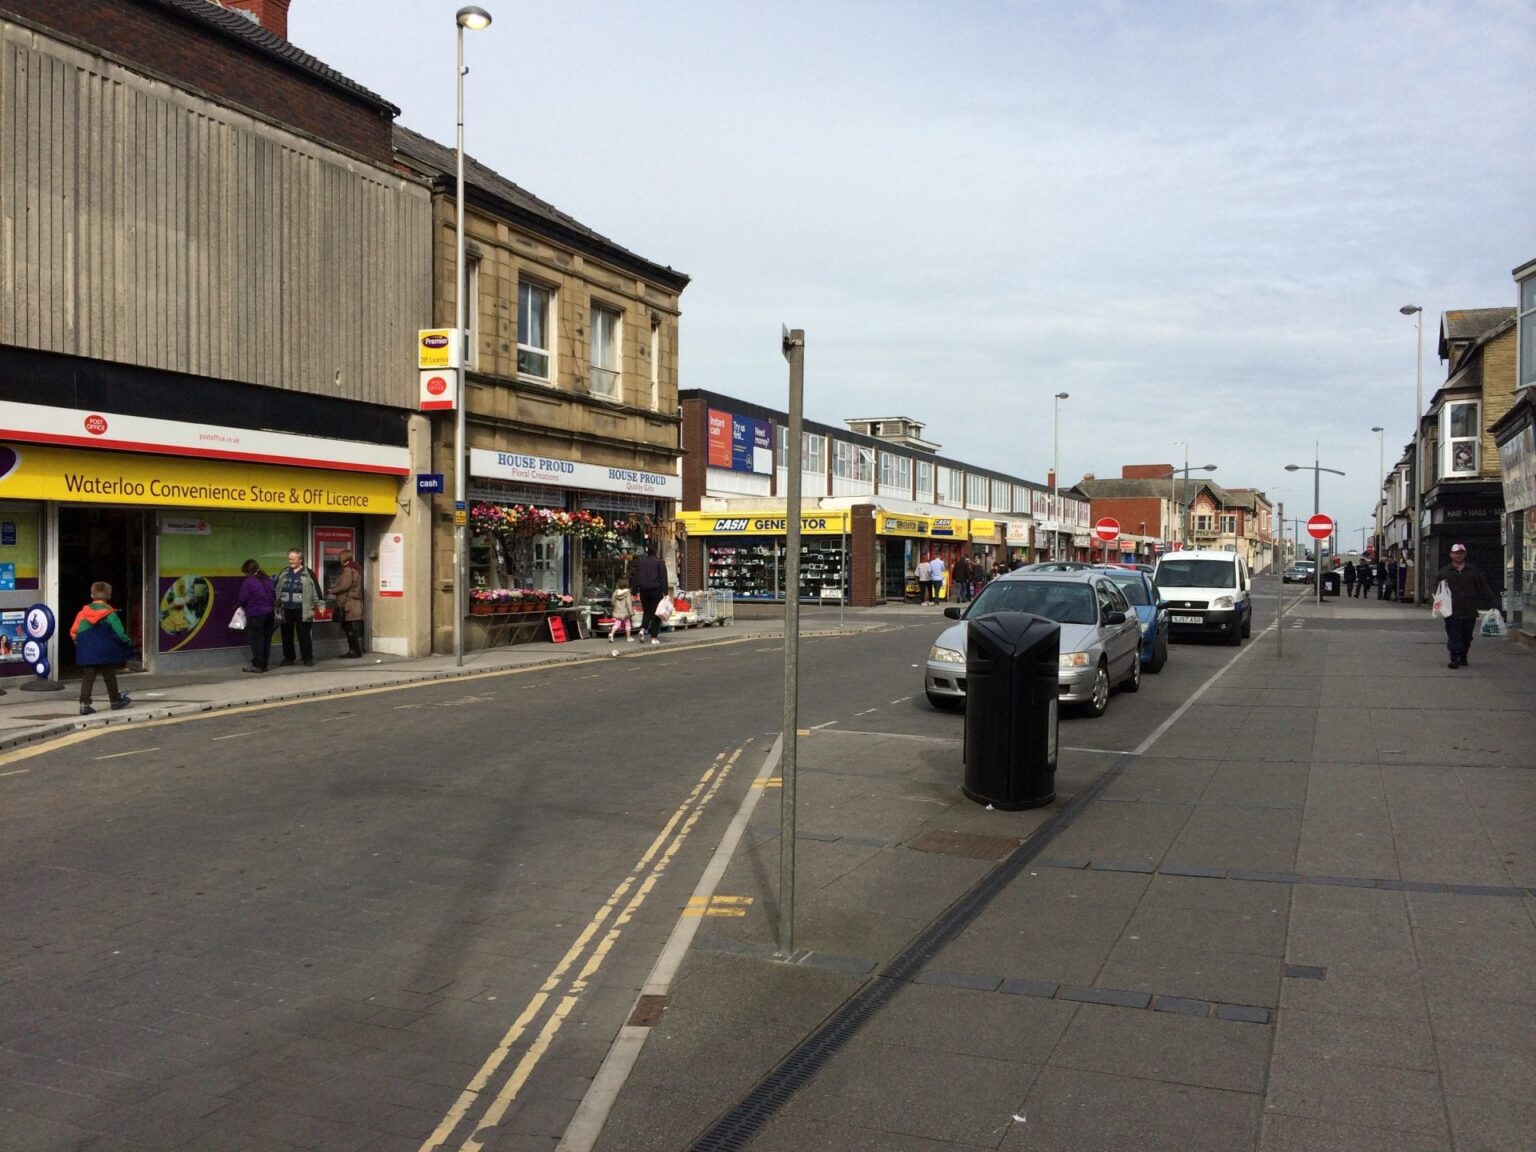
x: 1189, y: 620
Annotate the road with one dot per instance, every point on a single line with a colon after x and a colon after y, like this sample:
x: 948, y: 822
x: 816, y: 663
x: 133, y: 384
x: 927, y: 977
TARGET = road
x: 398, y: 919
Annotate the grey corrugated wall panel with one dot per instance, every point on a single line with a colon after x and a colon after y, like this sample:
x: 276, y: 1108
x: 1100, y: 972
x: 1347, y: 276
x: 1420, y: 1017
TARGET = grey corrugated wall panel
x: 141, y: 223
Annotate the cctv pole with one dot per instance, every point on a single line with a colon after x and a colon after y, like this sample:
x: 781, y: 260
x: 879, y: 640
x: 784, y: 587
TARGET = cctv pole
x: 793, y: 344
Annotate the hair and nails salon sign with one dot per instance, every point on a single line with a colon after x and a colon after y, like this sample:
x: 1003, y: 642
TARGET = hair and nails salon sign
x: 572, y: 474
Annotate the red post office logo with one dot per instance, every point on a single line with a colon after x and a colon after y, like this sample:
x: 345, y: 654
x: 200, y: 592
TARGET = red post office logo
x: 96, y: 425
x: 437, y: 385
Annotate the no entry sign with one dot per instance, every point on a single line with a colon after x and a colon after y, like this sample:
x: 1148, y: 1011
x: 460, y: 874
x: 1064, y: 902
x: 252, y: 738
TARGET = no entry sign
x: 1107, y: 529
x: 1320, y: 527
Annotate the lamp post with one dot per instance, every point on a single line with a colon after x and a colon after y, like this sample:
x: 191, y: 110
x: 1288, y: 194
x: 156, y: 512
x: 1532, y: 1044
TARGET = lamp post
x: 474, y: 19
x: 1056, y: 472
x: 1184, y: 473
x: 1381, y: 485
x: 1417, y: 312
x: 1317, y: 471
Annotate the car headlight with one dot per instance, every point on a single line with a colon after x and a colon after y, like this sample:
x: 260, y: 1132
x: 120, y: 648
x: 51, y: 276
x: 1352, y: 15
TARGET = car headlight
x: 1074, y: 659
x: 1222, y: 602
x: 945, y: 655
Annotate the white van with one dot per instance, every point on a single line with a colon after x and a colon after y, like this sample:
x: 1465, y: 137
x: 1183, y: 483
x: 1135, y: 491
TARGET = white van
x: 1208, y: 592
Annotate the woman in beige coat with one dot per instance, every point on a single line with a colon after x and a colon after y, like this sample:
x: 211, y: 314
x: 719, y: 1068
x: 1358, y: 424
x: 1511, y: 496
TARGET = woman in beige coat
x: 348, y: 593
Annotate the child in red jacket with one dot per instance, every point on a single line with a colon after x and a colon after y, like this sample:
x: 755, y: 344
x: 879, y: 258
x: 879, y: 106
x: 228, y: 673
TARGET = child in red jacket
x: 100, y: 645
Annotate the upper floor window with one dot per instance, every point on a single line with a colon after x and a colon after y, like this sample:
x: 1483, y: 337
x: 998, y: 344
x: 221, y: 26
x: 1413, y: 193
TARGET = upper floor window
x: 471, y: 313
x: 976, y: 491
x: 605, y: 324
x: 655, y: 367
x: 1527, y: 322
x: 1229, y: 525
x: 924, y: 480
x: 533, y: 345
x: 955, y: 489
x: 1203, y: 521
x: 1461, y: 437
x: 813, y: 450
x: 895, y: 473
x: 853, y: 461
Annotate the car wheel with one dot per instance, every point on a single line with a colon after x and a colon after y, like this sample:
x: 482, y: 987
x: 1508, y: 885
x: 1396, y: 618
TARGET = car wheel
x: 1100, y: 700
x: 1236, y: 636
x: 945, y: 703
x: 1248, y: 625
x: 1160, y: 656
x: 1132, y: 683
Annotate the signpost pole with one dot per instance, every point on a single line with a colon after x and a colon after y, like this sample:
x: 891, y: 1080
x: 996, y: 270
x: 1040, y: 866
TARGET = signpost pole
x: 793, y: 345
x: 1280, y: 595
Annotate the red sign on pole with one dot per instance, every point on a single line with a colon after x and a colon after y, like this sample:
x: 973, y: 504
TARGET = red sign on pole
x: 1320, y: 527
x: 1107, y: 529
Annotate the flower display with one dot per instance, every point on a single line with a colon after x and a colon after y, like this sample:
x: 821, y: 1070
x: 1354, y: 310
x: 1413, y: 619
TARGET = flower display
x: 529, y: 520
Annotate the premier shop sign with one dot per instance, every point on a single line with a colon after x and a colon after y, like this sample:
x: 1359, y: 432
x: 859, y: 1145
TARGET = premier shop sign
x: 527, y: 469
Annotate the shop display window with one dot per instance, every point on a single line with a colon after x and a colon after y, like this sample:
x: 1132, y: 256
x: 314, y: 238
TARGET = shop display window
x: 200, y: 559
x: 754, y: 569
x: 20, y: 553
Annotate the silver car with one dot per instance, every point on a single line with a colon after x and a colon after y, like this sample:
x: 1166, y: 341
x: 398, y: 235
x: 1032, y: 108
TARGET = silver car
x: 1100, y: 636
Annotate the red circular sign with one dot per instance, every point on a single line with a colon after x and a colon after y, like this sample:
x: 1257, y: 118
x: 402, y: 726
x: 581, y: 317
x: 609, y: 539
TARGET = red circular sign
x: 437, y: 385
x: 96, y: 425
x: 1320, y: 527
x: 1107, y: 528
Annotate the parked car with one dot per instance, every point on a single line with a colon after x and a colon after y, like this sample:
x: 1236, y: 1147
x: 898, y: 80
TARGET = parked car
x: 1208, y: 591
x: 1055, y: 566
x: 1299, y: 573
x: 1100, y: 635
x: 1151, y: 611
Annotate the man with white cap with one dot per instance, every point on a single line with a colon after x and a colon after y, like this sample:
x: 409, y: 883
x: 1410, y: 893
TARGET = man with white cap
x: 1470, y: 594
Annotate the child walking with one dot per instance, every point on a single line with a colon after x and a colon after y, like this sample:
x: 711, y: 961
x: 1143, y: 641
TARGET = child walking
x: 100, y: 645
x: 623, y: 612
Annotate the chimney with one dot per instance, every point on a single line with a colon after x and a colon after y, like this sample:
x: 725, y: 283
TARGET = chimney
x: 270, y: 14
x: 1050, y: 479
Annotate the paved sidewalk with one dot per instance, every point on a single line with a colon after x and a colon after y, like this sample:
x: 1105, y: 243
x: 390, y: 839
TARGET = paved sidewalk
x: 1303, y: 919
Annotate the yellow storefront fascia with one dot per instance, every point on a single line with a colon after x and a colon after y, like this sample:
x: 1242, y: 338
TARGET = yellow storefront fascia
x: 833, y: 522
x: 923, y: 527
x: 78, y: 476
x: 984, y: 531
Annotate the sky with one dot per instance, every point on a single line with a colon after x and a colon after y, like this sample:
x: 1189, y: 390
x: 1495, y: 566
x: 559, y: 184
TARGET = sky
x: 1197, y: 219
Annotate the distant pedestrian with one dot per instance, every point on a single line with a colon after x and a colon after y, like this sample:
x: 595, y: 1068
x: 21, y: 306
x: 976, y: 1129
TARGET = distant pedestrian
x: 256, y: 600
x: 961, y: 577
x: 101, y: 644
x: 1349, y: 578
x: 1470, y: 595
x: 924, y: 579
x: 297, y: 593
x: 1381, y: 580
x: 348, y: 591
x: 1392, y: 569
x: 623, y: 612
x: 936, y: 576
x: 1362, y: 579
x: 650, y: 581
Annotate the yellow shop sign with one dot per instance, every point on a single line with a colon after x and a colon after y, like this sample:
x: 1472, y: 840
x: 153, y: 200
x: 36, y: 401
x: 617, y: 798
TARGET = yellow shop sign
x: 35, y: 472
x: 833, y: 523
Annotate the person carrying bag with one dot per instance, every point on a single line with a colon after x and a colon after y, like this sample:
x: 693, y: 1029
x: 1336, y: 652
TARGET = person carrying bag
x: 1461, y: 594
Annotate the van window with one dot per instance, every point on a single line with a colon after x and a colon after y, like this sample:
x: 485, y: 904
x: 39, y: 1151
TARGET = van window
x: 1197, y: 574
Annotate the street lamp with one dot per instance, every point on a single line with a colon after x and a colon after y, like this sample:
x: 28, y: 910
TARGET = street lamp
x: 474, y: 19
x: 1417, y: 312
x: 1056, y: 471
x: 1317, y: 471
x: 1381, y: 485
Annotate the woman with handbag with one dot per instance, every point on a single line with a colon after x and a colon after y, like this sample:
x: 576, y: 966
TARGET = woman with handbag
x: 254, y: 602
x: 348, y: 591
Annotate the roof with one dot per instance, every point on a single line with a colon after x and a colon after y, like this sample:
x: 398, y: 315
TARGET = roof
x: 235, y: 26
x: 440, y: 161
x: 1472, y: 324
x: 1159, y: 488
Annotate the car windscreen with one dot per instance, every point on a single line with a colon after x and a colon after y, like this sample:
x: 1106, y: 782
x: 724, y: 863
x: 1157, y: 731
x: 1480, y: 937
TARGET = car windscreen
x: 1134, y: 587
x: 1197, y: 574
x: 1061, y: 602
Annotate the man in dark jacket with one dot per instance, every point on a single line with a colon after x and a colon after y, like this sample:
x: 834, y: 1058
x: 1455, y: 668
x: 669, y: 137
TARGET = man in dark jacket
x: 1470, y: 594
x: 100, y: 645
x: 650, y: 581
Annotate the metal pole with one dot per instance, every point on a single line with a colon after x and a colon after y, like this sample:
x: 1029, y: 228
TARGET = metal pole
x: 794, y: 352
x: 844, y: 577
x: 460, y: 528
x: 1317, y: 508
x: 1280, y: 596
x: 1056, y: 475
x: 1418, y: 469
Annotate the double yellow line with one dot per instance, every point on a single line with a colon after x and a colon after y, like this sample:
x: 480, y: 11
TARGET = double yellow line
x: 643, y: 877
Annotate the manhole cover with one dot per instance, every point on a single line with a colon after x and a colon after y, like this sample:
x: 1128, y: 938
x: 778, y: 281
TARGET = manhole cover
x: 967, y: 844
x: 648, y: 1010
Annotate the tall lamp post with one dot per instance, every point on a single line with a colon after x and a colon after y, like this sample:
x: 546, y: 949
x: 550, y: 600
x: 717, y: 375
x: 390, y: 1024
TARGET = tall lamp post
x: 1381, y: 486
x: 474, y: 19
x: 1317, y: 471
x: 1056, y: 472
x: 1417, y: 312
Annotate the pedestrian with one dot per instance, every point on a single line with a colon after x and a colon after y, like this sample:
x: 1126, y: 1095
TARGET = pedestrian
x: 1381, y: 580
x: 936, y: 577
x: 650, y: 581
x: 348, y: 591
x: 1470, y: 595
x: 101, y: 645
x: 297, y: 592
x: 1392, y: 568
x: 1349, y: 578
x: 623, y: 612
x: 1362, y: 578
x: 924, y: 579
x: 256, y: 601
x: 961, y: 577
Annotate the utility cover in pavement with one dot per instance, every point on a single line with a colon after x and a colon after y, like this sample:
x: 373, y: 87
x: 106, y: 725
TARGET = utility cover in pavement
x: 967, y: 844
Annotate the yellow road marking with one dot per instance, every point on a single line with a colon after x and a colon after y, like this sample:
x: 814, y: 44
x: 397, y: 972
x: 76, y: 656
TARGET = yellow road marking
x: 770, y: 782
x: 18, y: 754
x: 717, y: 906
x: 520, y: 1074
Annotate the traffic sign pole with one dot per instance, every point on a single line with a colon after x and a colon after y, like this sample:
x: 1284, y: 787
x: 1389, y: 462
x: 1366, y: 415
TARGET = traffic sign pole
x: 1320, y: 527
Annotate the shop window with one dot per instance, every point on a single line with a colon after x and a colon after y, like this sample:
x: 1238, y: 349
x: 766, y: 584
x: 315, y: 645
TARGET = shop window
x: 533, y: 342
x: 604, y: 331
x: 20, y: 574
x: 1462, y: 438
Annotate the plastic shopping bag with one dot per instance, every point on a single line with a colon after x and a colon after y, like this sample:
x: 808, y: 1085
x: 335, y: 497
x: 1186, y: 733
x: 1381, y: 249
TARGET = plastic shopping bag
x: 1492, y: 624
x: 1442, y: 605
x: 237, y: 621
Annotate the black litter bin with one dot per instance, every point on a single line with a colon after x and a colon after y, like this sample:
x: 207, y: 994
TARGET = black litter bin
x: 1012, y: 673
x: 1331, y: 583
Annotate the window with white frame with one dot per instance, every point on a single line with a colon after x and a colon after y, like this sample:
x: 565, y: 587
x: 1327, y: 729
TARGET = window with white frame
x: 1460, y: 437
x: 813, y: 450
x: 895, y: 473
x: 655, y: 367
x: 1527, y: 334
x: 1229, y: 525
x: 975, y: 490
x: 853, y: 462
x: 605, y: 324
x: 925, y: 480
x: 534, y: 357
x: 1203, y: 521
x: 1021, y: 499
x: 954, y: 492
x: 999, y: 495
x: 472, y: 313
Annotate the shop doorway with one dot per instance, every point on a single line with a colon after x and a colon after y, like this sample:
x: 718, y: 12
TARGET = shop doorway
x: 101, y: 544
